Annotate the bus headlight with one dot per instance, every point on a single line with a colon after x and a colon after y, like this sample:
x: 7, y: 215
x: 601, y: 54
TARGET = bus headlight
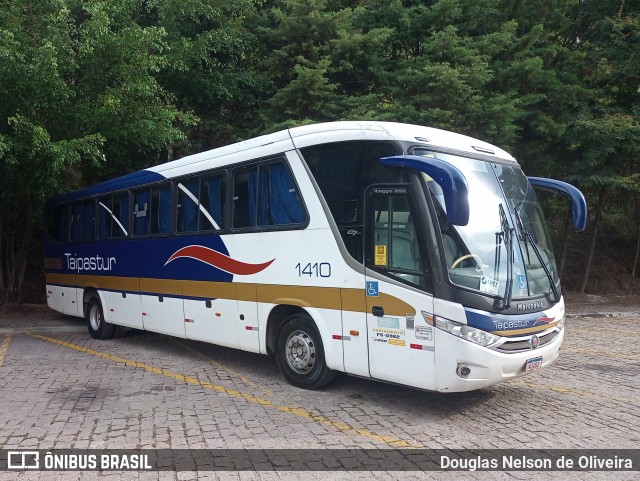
x: 561, y: 323
x: 472, y: 334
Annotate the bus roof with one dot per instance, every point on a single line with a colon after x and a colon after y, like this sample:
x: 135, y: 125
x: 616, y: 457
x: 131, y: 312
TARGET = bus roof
x: 297, y: 137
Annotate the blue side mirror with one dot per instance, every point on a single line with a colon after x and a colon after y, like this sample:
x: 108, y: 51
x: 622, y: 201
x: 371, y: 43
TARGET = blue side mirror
x: 578, y: 204
x: 449, y: 178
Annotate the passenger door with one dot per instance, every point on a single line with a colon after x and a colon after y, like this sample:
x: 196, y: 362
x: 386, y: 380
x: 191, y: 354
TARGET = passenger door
x: 397, y: 281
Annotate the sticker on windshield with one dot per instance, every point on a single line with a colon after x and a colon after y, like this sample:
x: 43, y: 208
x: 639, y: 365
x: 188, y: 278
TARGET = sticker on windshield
x: 489, y: 285
x: 521, y: 279
x: 381, y: 255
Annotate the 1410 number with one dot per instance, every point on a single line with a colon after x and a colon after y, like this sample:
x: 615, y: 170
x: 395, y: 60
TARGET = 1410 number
x: 319, y: 269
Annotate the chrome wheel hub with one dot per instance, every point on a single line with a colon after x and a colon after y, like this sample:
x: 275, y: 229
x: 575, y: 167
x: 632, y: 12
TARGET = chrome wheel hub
x: 94, y: 317
x: 300, y: 352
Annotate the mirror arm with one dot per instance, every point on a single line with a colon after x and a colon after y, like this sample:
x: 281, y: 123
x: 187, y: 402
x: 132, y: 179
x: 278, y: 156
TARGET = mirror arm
x: 578, y: 204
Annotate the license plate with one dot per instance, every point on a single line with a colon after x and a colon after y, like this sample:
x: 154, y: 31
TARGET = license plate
x: 533, y: 364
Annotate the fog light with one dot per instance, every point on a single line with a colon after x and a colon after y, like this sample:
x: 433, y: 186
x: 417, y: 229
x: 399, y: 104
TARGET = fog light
x: 463, y: 371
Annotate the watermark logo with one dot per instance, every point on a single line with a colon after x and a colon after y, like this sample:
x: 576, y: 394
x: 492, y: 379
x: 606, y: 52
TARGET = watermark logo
x: 23, y: 460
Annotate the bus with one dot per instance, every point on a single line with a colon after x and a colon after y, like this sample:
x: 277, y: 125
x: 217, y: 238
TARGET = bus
x: 395, y: 252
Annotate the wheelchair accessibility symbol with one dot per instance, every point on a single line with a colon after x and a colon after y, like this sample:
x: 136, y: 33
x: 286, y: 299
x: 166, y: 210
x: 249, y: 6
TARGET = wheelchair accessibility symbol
x: 372, y: 289
x: 521, y: 279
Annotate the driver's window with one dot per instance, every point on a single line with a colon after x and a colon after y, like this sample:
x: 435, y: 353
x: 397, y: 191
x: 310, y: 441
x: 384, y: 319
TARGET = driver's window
x: 394, y: 247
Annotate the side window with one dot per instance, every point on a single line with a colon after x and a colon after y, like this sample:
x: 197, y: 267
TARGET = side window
x: 104, y: 217
x: 58, y: 223
x: 141, y: 210
x: 266, y: 195
x: 393, y: 247
x: 244, y: 201
x: 160, y: 218
x: 120, y: 218
x: 200, y: 206
x: 113, y: 216
x: 343, y: 171
x: 76, y: 222
x: 88, y: 220
x: 212, y: 195
x: 187, y: 206
x: 152, y: 210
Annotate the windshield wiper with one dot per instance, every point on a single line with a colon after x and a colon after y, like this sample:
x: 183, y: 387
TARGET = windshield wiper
x: 506, y: 237
x: 528, y: 239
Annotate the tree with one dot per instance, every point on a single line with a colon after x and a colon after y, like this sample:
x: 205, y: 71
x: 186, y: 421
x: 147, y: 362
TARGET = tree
x: 79, y: 101
x: 606, y: 132
x: 296, y: 39
x: 211, y: 70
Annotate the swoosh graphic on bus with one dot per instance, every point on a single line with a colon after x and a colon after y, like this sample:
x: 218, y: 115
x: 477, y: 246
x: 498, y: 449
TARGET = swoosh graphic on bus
x: 218, y: 260
x: 543, y: 320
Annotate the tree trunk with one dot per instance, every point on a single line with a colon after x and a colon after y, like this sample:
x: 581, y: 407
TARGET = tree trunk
x: 14, y: 250
x: 565, y: 241
x: 2, y: 282
x: 27, y: 236
x: 594, y: 237
x: 635, y: 260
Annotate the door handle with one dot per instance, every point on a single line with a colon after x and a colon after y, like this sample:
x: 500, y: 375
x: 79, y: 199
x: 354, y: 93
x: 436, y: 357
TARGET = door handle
x: 377, y: 311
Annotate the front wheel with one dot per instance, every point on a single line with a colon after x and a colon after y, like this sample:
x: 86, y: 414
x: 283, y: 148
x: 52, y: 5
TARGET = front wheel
x: 98, y: 327
x: 300, y: 354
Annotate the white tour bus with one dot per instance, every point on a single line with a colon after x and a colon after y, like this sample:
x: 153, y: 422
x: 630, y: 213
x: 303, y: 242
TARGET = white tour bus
x: 388, y: 251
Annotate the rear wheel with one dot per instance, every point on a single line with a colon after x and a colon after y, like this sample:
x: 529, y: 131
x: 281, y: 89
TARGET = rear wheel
x: 98, y: 327
x: 300, y: 354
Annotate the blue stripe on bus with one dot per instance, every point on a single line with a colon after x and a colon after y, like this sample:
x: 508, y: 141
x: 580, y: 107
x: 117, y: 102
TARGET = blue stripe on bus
x: 489, y: 321
x: 126, y: 181
x: 139, y: 258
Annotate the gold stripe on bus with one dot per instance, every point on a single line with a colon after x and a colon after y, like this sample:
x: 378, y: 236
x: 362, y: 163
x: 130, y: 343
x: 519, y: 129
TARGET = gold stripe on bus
x: 167, y: 287
x: 66, y: 279
x: 302, y: 296
x: 211, y: 290
x: 528, y: 330
x: 353, y: 300
x: 246, y: 292
x: 53, y: 263
x: 130, y: 284
x: 392, y: 305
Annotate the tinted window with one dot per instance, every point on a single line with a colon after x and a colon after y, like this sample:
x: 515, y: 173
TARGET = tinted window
x: 76, y: 222
x: 200, y: 205
x: 187, y: 206
x: 113, y: 216
x: 394, y: 247
x: 58, y: 223
x: 343, y: 171
x: 160, y: 218
x: 152, y: 210
x: 266, y: 195
x: 88, y: 220
x: 141, y: 211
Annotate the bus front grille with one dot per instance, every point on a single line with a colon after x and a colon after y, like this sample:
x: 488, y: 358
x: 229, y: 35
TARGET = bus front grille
x: 524, y: 344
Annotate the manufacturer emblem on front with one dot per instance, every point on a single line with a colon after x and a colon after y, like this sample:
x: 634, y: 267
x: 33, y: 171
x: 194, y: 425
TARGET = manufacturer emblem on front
x: 535, y: 342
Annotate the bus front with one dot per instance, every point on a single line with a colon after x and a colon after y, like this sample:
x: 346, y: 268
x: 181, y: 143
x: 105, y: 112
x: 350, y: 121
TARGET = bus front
x: 498, y: 311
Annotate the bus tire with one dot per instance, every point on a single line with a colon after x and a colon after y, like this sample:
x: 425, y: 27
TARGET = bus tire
x: 98, y: 327
x: 300, y: 354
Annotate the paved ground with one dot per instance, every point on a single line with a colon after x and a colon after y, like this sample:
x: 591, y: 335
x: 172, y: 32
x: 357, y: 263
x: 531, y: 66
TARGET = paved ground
x: 61, y: 389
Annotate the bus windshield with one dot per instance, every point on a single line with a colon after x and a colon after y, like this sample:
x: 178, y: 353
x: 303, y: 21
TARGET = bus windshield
x: 505, y: 249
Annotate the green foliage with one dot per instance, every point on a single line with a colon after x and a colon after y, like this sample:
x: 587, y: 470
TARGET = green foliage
x: 79, y: 101
x: 94, y: 89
